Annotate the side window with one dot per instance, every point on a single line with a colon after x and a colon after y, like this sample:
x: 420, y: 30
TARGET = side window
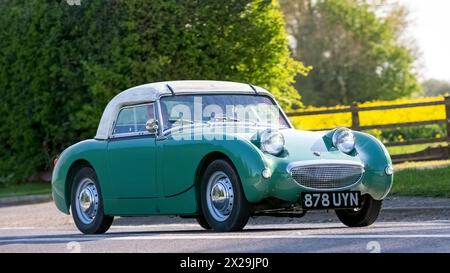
x: 132, y: 119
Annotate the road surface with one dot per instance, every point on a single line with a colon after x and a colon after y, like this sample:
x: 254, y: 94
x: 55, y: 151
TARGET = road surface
x: 41, y: 228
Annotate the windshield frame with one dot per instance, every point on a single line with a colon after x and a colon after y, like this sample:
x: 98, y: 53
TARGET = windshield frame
x: 164, y: 132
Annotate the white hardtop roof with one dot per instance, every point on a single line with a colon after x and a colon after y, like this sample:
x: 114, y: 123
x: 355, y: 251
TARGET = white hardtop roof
x: 152, y: 91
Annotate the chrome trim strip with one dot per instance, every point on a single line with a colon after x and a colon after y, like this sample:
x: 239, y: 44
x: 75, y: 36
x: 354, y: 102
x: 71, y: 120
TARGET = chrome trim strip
x: 200, y: 93
x: 170, y: 89
x: 254, y: 89
x: 121, y: 135
x: 321, y: 162
x: 160, y: 120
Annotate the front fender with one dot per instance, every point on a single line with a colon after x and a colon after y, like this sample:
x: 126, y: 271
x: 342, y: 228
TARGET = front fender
x: 376, y: 158
x: 90, y: 152
x: 249, y: 162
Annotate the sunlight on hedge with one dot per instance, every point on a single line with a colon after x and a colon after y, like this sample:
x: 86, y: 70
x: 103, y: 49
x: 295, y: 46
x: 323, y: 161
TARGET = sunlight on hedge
x: 403, y: 115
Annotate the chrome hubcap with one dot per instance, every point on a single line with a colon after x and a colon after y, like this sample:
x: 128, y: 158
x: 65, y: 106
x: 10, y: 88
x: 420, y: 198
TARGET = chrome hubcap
x: 86, y: 201
x: 220, y: 198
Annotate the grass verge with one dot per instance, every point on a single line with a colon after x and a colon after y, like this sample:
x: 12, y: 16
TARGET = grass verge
x: 397, y: 150
x: 25, y: 189
x: 422, y: 182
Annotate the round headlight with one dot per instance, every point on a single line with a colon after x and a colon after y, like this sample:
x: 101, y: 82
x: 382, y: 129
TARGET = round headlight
x: 344, y: 140
x: 272, y: 141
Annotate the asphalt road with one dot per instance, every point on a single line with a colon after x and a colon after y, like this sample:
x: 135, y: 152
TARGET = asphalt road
x: 40, y: 228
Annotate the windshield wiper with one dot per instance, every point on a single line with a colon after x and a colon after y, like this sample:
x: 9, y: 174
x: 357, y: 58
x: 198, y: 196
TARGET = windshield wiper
x: 182, y: 120
x: 228, y: 118
x: 224, y: 118
x: 186, y: 121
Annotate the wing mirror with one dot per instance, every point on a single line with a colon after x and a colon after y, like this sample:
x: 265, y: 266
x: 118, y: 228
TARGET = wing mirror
x: 152, y: 126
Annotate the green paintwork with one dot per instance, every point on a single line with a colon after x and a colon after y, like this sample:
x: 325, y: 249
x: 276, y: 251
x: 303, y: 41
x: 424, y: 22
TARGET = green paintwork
x: 146, y: 175
x: 132, y: 161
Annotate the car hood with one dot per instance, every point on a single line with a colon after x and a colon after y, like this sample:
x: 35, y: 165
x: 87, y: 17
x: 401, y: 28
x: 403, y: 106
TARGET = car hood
x: 304, y: 145
x: 299, y: 145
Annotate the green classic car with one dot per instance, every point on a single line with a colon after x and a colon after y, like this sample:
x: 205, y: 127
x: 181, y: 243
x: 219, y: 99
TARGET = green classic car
x: 219, y: 152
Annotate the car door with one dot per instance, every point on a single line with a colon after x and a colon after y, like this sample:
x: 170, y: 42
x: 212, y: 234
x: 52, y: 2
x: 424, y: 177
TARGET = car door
x: 131, y: 154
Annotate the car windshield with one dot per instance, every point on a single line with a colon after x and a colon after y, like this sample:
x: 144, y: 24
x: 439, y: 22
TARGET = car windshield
x: 257, y: 110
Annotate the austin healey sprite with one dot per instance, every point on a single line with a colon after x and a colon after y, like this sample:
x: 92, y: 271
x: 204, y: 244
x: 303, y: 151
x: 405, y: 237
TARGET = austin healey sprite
x: 220, y: 152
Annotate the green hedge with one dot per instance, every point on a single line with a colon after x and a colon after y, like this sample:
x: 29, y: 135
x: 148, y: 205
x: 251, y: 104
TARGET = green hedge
x: 60, y: 64
x: 410, y: 133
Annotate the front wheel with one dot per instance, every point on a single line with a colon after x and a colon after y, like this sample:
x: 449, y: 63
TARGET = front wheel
x: 365, y: 216
x: 202, y: 222
x: 224, y: 205
x: 87, y: 203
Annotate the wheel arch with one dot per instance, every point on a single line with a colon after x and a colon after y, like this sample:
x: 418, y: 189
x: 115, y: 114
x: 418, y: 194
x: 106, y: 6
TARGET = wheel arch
x: 90, y: 153
x: 201, y: 168
x: 248, y: 163
x: 73, y: 169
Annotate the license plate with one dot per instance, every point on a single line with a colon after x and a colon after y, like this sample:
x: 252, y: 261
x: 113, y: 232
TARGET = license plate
x: 331, y: 200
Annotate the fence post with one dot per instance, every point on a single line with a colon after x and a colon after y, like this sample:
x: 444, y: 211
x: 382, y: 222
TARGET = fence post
x: 355, y: 116
x: 447, y: 118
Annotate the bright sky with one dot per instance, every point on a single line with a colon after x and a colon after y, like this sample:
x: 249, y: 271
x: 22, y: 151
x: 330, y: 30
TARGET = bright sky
x: 430, y: 26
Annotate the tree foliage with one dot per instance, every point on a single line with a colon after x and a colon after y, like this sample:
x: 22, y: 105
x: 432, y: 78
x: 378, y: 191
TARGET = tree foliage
x: 435, y: 87
x: 356, y: 48
x: 60, y: 64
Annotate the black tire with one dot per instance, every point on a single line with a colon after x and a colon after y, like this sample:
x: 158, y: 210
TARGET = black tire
x: 363, y: 217
x: 202, y: 222
x: 100, y: 222
x: 239, y: 213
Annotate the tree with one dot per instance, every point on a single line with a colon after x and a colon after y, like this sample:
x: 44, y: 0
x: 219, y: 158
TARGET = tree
x: 356, y: 48
x: 435, y: 87
x: 60, y: 63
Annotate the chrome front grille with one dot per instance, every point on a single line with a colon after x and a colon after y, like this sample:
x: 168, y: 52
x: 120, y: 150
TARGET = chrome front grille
x: 327, y: 176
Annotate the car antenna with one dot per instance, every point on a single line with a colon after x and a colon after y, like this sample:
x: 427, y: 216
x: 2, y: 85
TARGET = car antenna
x: 254, y: 89
x: 171, y: 90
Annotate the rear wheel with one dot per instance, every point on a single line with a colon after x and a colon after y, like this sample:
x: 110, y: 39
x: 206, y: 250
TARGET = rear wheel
x: 224, y: 205
x: 87, y: 203
x: 365, y: 216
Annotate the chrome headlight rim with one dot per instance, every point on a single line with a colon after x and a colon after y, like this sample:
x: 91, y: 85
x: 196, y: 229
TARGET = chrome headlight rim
x: 344, y: 140
x: 272, y: 141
